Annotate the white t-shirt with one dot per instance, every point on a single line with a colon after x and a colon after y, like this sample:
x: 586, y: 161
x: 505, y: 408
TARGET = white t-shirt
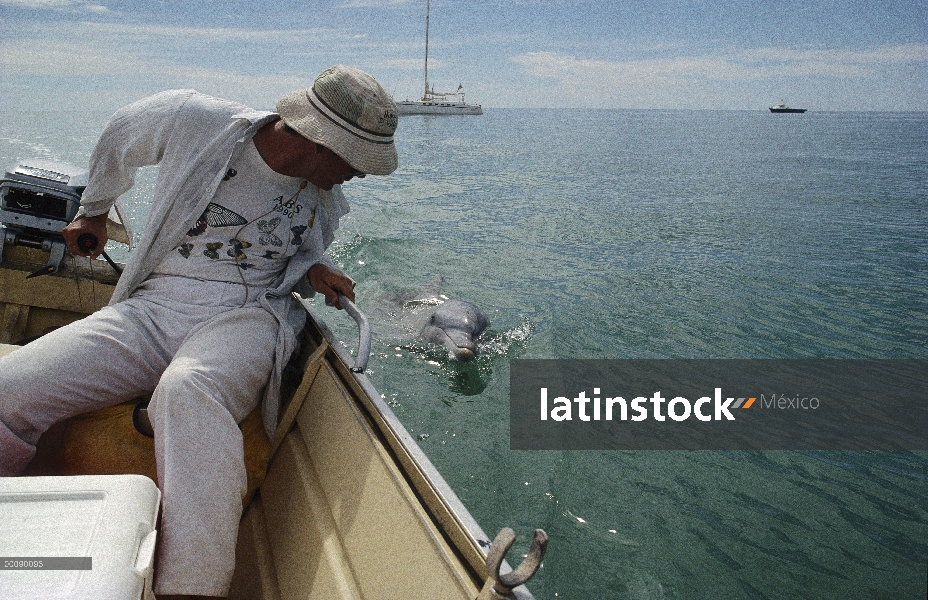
x: 256, y: 221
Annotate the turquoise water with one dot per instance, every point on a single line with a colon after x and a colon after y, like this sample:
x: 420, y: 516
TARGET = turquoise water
x: 662, y: 234
x: 646, y: 234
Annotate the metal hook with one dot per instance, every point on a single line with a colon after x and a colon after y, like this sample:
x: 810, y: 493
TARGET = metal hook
x: 501, y: 545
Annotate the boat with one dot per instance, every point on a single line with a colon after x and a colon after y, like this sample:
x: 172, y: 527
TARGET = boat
x: 343, y: 503
x: 782, y: 108
x: 437, y: 103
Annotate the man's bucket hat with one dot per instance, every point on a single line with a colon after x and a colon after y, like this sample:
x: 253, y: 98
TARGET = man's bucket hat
x: 348, y: 112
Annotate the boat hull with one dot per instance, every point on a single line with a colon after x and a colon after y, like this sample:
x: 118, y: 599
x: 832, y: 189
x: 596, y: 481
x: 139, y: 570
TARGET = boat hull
x: 409, y: 107
x: 787, y: 110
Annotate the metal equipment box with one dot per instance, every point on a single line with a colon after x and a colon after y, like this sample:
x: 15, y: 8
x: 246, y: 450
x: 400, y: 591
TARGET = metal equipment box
x: 41, y: 195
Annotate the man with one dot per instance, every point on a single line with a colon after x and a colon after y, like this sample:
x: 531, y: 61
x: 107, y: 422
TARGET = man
x: 245, y: 204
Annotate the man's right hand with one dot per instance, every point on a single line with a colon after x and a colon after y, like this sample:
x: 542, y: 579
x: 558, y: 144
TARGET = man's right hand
x: 330, y: 282
x: 95, y: 226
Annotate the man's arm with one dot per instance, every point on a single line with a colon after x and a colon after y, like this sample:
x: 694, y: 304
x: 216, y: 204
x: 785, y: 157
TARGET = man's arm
x: 136, y: 136
x: 323, y: 277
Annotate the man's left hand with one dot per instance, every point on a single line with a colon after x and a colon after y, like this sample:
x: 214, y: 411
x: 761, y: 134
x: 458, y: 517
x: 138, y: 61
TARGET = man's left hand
x: 330, y: 282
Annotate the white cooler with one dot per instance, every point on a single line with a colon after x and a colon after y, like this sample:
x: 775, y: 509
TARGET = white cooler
x: 109, y: 519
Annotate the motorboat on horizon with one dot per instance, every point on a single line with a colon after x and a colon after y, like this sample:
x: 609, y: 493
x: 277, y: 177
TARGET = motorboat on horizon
x: 782, y: 108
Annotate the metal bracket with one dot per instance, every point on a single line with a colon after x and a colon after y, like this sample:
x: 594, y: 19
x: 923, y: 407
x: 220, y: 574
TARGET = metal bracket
x: 3, y: 233
x: 55, y: 249
x: 506, y: 583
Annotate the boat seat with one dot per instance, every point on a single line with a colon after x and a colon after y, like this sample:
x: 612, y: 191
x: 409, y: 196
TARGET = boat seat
x: 106, y: 442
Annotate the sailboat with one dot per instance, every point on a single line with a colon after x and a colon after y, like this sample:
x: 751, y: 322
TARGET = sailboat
x: 437, y: 103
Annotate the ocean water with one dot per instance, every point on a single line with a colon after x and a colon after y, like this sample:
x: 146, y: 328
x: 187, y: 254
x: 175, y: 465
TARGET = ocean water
x: 644, y: 234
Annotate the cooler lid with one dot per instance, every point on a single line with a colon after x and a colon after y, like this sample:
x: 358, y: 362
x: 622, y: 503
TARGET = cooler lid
x: 77, y: 537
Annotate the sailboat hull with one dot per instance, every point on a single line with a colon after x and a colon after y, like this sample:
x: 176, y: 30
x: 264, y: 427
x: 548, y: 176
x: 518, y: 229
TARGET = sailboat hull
x: 412, y: 107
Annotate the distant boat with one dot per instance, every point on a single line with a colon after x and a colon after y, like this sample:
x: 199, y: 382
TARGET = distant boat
x: 437, y: 103
x: 782, y: 108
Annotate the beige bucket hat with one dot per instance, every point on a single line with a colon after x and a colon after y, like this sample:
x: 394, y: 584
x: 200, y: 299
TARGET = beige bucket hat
x: 348, y: 112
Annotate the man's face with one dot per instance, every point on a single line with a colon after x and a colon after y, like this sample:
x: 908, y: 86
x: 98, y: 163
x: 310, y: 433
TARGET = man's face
x: 333, y: 170
x: 322, y: 167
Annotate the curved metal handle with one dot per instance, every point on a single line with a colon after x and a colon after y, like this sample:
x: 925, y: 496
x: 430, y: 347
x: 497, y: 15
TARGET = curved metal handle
x: 536, y: 553
x: 364, y: 334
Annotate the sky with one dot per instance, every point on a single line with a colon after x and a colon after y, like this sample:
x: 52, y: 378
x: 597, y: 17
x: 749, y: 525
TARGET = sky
x: 823, y: 55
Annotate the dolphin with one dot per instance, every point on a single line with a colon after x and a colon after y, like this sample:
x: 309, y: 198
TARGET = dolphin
x: 455, y: 325
x: 428, y: 315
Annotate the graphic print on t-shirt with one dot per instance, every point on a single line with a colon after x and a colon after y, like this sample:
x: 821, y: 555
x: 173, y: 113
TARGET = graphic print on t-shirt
x: 211, y: 248
x: 216, y: 216
x: 256, y: 220
x: 267, y: 232
x: 236, y: 250
x: 296, y: 240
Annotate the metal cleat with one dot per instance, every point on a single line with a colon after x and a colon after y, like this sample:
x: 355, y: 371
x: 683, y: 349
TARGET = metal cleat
x: 500, y: 587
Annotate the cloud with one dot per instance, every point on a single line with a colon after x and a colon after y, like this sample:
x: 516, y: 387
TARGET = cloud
x: 57, y: 5
x: 52, y: 4
x: 87, y: 48
x: 573, y: 71
x: 407, y: 64
x: 753, y: 64
x: 283, y: 37
x: 108, y: 64
x: 732, y: 78
x: 904, y: 53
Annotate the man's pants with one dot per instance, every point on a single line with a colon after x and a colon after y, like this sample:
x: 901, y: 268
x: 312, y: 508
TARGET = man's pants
x: 207, y: 358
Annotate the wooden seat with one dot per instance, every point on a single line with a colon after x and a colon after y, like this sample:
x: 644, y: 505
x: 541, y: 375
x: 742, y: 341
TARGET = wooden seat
x: 106, y: 442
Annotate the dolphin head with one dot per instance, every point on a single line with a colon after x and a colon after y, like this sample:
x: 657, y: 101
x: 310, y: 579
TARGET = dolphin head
x: 455, y: 325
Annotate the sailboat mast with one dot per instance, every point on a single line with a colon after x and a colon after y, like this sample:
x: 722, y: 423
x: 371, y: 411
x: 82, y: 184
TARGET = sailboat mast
x: 426, y: 50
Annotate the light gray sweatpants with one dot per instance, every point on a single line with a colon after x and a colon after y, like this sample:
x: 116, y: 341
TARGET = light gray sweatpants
x: 207, y: 358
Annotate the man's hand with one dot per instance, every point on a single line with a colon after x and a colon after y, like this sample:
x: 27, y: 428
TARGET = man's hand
x: 329, y: 282
x: 95, y: 226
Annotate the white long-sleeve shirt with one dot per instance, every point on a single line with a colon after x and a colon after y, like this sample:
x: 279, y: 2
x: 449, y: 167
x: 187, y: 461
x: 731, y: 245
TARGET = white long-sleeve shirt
x: 193, y: 138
